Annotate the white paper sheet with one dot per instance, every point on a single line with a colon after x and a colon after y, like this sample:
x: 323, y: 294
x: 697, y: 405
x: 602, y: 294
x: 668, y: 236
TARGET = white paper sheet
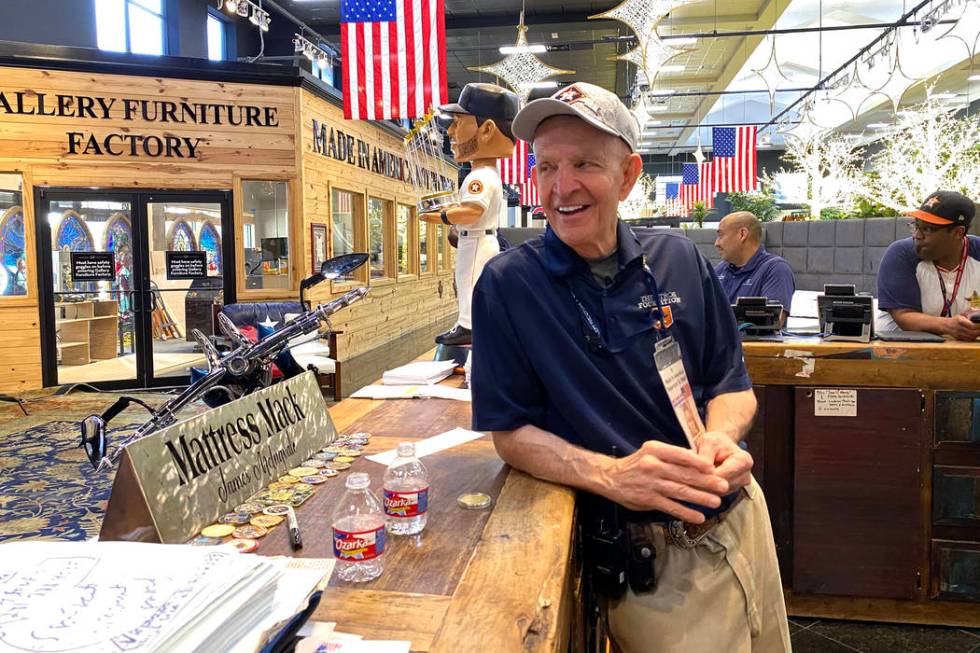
x: 436, y: 443
x: 412, y: 392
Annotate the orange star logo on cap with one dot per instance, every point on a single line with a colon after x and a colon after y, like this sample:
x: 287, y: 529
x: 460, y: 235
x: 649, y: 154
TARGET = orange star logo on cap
x: 932, y: 201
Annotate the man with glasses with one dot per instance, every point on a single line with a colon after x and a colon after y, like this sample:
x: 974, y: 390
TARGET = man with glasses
x: 931, y: 281
x: 597, y: 352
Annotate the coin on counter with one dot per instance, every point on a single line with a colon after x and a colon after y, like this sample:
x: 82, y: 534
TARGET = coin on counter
x: 235, y: 518
x: 343, y: 459
x: 299, y: 498
x: 260, y: 496
x: 249, y: 507
x: 289, y: 479
x: 353, y: 452
x: 331, y: 449
x: 202, y: 540
x: 244, y: 545
x: 474, y: 500
x: 339, y: 466
x: 325, y: 455
x: 315, y: 480
x: 277, y: 509
x: 299, y: 472
x: 250, y: 531
x: 314, y: 463
x: 328, y: 473
x: 217, y: 530
x: 302, y: 487
x: 267, y: 521
x: 280, y: 496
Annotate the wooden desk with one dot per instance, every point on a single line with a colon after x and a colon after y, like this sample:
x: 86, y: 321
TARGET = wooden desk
x: 494, y: 580
x: 858, y: 502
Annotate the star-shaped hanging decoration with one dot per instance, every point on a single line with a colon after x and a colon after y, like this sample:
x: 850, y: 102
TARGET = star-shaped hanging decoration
x: 771, y: 74
x: 827, y: 110
x: 649, y: 57
x: 641, y: 16
x: 699, y: 154
x: 966, y: 30
x: 805, y: 129
x: 521, y: 70
x: 893, y: 89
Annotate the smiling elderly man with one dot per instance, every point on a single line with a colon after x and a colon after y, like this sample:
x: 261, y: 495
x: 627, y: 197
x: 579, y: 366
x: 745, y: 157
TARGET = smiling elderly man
x: 582, y: 339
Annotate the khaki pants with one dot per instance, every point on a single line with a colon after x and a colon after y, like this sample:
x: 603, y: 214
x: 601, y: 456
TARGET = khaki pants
x: 723, y: 595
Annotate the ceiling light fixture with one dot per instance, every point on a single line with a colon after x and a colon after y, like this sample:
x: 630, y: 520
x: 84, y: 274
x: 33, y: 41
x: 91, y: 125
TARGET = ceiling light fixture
x: 521, y: 49
x: 312, y: 51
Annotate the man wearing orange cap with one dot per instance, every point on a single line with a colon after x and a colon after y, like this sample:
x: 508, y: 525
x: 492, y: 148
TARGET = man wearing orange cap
x: 931, y: 281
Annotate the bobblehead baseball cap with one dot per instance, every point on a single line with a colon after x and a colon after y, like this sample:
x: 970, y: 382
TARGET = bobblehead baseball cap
x: 484, y: 100
x: 593, y: 104
x: 946, y: 207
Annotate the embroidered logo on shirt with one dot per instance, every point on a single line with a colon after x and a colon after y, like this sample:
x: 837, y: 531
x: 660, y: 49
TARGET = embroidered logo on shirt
x: 475, y: 187
x: 666, y: 298
x: 974, y: 300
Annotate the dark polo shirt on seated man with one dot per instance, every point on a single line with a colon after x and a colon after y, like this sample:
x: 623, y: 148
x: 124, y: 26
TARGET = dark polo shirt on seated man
x: 747, y: 269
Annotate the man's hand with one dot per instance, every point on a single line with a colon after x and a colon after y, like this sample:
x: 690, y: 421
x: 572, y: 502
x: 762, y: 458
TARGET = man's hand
x: 658, y: 476
x: 728, y: 461
x: 434, y: 218
x: 961, y: 328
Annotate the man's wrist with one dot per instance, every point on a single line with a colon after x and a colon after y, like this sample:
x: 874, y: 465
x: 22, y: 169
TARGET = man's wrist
x: 443, y: 216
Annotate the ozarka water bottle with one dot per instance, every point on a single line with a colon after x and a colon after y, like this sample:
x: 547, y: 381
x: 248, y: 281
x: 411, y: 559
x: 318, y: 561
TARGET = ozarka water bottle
x: 406, y: 492
x: 358, y: 532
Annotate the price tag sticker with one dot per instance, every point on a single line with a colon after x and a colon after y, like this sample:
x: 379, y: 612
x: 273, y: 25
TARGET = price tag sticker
x: 670, y: 366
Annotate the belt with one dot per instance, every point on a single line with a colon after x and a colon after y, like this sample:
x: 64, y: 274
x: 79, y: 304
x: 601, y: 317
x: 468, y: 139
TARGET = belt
x: 688, y: 536
x: 477, y: 232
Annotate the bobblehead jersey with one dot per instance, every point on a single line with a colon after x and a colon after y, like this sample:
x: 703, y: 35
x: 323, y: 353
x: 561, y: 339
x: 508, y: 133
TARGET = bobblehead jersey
x: 481, y: 186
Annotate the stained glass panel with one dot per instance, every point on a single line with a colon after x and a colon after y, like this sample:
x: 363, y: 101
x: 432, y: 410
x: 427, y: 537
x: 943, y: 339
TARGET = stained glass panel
x: 210, y: 242
x: 182, y: 238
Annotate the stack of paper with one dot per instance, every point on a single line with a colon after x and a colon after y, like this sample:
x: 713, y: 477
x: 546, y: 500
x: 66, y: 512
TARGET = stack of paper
x: 419, y: 373
x: 102, y: 596
x: 412, y: 392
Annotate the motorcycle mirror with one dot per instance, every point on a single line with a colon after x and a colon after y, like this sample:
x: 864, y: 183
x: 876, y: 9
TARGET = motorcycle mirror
x: 342, y: 265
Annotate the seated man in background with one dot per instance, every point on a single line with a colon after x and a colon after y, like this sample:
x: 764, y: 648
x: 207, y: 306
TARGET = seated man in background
x: 931, y: 281
x: 747, y: 269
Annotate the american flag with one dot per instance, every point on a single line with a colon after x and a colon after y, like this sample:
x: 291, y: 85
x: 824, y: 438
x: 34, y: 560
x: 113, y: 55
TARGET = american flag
x: 734, y: 158
x: 529, y: 190
x: 516, y: 171
x: 698, y: 184
x: 394, y: 58
x: 672, y: 196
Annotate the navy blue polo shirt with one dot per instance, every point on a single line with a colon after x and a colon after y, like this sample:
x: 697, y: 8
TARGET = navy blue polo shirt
x: 764, y: 275
x: 533, y: 365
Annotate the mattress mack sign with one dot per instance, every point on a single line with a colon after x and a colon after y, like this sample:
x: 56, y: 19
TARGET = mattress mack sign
x: 197, y: 470
x: 166, y: 113
x: 336, y: 144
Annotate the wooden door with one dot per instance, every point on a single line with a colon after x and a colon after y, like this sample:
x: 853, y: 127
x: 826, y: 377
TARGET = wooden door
x: 858, y: 522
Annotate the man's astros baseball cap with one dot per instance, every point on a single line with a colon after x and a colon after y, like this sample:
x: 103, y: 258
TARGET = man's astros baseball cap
x: 946, y: 207
x: 595, y: 105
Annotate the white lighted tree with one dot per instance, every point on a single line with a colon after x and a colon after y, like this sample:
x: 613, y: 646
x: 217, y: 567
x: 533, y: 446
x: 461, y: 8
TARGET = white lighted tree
x: 928, y: 149
x: 638, y: 203
x: 832, y: 168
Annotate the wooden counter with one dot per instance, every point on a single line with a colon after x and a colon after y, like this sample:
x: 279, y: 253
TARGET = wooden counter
x: 500, y: 579
x: 873, y: 501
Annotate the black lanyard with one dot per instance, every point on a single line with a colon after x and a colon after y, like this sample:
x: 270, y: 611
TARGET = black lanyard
x: 948, y: 302
x: 593, y: 335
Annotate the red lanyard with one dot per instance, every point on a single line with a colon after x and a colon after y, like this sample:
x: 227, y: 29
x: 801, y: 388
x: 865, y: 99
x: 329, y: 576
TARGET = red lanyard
x: 948, y: 302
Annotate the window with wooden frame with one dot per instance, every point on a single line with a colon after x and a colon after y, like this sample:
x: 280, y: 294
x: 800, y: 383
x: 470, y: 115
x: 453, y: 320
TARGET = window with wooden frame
x: 13, y: 243
x: 425, y: 247
x: 266, y: 218
x: 347, y: 227
x: 381, y: 229
x: 440, y: 244
x: 405, y: 229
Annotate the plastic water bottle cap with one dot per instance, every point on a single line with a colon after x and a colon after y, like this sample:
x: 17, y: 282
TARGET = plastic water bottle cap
x: 406, y: 449
x: 358, y: 481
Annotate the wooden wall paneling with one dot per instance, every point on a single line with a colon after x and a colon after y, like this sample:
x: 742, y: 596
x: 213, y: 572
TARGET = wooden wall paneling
x: 770, y: 442
x: 858, y: 521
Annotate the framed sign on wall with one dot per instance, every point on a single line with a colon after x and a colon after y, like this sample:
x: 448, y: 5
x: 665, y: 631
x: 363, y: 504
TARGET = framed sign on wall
x: 319, y: 240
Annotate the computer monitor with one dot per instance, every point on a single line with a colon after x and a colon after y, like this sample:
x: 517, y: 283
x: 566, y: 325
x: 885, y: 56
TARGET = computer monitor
x: 758, y: 312
x: 845, y: 315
